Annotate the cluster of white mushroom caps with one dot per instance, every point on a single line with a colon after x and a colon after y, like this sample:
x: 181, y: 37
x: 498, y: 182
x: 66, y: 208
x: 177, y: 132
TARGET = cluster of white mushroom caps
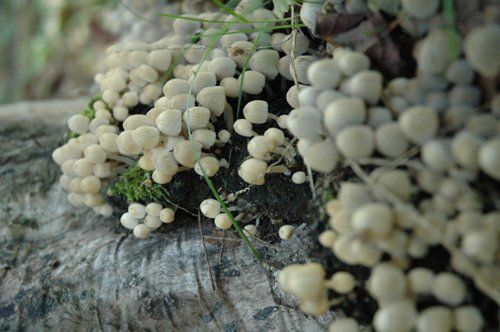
x: 430, y: 139
x: 152, y: 216
x: 341, y: 112
x: 186, y: 92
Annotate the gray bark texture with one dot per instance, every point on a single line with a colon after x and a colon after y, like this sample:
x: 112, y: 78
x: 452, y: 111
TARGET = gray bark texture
x: 68, y: 269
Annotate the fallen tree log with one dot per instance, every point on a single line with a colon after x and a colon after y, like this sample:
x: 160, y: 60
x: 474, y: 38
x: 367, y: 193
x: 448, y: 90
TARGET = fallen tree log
x: 66, y: 268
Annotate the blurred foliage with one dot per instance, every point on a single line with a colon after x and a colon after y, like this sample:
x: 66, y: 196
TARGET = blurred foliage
x: 49, y: 47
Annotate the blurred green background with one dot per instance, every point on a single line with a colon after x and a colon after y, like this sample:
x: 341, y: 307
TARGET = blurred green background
x: 51, y: 48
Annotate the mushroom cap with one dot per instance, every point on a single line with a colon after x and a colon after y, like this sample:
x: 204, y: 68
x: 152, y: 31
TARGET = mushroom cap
x: 210, y: 208
x: 243, y: 127
x: 260, y: 147
x: 128, y: 220
x: 465, y: 147
x: 253, y: 82
x: 343, y: 112
x: 489, y: 158
x: 306, y: 281
x: 322, y: 156
x: 436, y: 154
x: 213, y: 98
x: 387, y: 283
x: 205, y: 137
x: 141, y: 231
x: 468, y: 318
x: 373, y: 219
x: 299, y: 66
x: 265, y: 62
x: 222, y: 67
x: 198, y: 117
x: 353, y: 195
x: 366, y: 84
x: 223, y: 221
x: 256, y: 111
x: 324, y: 74
x: 448, y: 288
x: 398, y: 316
x: 356, y: 141
x: 135, y: 121
x: 344, y: 325
x: 78, y: 123
x: 175, y: 86
x: 419, y: 123
x: 169, y: 122
x: 342, y: 282
x: 146, y: 137
x: 352, y: 62
x: 185, y: 153
x: 305, y: 122
x: 253, y: 171
x: 482, y: 51
x: 390, y: 140
x: 297, y: 42
x: 420, y: 281
x: 167, y: 215
x: 210, y: 166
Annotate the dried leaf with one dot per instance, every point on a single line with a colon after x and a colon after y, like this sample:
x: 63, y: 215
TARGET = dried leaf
x: 330, y: 25
x: 369, y: 35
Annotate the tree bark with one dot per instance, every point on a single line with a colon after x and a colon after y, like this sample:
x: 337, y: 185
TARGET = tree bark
x: 66, y: 268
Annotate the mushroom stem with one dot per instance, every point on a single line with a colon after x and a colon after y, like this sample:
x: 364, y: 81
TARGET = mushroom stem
x: 223, y: 163
x: 271, y: 116
x: 284, y: 152
x: 232, y: 208
x: 228, y: 116
x: 278, y: 169
x: 128, y: 161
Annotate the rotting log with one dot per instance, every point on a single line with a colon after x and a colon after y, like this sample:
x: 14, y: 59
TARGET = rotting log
x: 66, y: 268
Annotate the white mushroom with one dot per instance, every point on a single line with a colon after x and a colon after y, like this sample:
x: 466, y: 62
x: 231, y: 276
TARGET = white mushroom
x: 419, y: 123
x: 482, y: 51
x: 324, y: 74
x: 489, y: 158
x: 343, y: 112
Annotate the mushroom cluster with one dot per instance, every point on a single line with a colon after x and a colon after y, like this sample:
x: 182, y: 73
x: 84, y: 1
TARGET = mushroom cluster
x: 309, y: 284
x: 152, y: 216
x: 184, y: 85
x: 419, y: 147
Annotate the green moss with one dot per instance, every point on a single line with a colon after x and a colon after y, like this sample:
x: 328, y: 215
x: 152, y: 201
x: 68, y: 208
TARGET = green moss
x: 89, y: 113
x: 93, y: 100
x: 136, y: 186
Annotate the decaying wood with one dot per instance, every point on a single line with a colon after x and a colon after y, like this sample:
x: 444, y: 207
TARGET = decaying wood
x: 66, y: 268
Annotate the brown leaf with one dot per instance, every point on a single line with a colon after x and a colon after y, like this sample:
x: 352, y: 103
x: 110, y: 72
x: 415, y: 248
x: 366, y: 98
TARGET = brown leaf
x: 330, y: 25
x: 370, y: 35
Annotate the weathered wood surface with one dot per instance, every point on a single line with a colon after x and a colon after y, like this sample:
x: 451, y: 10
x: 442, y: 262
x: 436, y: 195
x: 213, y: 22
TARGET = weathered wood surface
x: 66, y: 268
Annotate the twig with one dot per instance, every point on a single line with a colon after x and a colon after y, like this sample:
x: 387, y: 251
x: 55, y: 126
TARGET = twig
x: 206, y: 253
x: 311, y: 182
x: 222, y: 247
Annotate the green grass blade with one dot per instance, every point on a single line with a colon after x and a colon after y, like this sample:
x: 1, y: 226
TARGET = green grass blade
x: 202, y: 20
x: 276, y: 27
x: 228, y: 10
x: 453, y: 38
x: 207, y: 179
